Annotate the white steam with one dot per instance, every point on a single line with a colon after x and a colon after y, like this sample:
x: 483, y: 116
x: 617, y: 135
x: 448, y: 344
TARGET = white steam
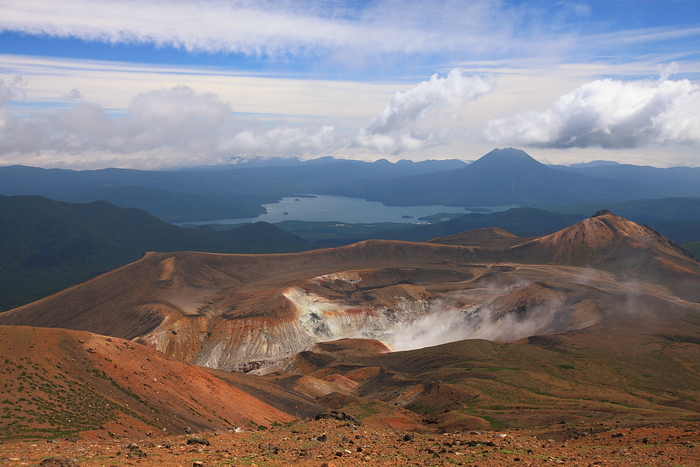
x: 433, y: 329
x: 445, y: 324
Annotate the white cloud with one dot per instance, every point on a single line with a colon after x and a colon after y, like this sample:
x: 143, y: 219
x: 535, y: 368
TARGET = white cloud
x: 193, y: 126
x: 202, y: 128
x: 9, y: 91
x: 609, y: 114
x: 271, y: 28
x: 176, y: 117
x: 285, y: 140
x: 395, y: 128
x: 380, y: 32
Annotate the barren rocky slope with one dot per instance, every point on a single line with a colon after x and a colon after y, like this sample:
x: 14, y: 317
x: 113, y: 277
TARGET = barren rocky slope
x: 57, y: 383
x: 326, y: 443
x: 576, y: 332
x: 243, y: 311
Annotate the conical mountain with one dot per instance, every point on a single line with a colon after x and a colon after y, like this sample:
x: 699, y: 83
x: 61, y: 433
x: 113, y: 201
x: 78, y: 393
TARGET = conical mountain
x: 507, y: 159
x: 631, y: 251
x: 502, y: 177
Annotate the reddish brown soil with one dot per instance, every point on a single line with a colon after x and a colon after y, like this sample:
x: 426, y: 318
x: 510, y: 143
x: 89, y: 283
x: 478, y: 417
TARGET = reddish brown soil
x: 302, y: 444
x: 58, y: 381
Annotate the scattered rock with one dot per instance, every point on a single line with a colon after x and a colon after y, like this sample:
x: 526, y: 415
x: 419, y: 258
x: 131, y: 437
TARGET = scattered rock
x: 473, y: 444
x: 198, y: 440
x: 59, y: 462
x: 336, y: 415
x: 270, y: 447
x: 602, y: 212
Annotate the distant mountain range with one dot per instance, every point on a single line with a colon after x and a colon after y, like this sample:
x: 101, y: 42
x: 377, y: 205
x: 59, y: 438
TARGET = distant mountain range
x: 511, y: 176
x: 47, y: 245
x: 502, y: 177
x: 204, y: 193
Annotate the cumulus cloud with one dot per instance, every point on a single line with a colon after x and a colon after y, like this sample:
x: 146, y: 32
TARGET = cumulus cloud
x: 165, y: 127
x: 610, y: 114
x: 395, y: 128
x: 174, y: 117
x: 201, y: 128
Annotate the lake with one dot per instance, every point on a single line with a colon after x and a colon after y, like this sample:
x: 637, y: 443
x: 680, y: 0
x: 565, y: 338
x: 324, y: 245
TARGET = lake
x: 346, y: 210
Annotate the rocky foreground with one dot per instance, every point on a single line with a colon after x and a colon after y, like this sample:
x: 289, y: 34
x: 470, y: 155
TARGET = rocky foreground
x: 337, y: 443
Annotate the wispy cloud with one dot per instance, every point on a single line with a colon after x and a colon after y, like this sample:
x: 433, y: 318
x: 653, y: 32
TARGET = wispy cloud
x: 609, y: 114
x: 354, y: 33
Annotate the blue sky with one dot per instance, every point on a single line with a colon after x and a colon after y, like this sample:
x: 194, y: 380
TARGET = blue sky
x: 156, y: 84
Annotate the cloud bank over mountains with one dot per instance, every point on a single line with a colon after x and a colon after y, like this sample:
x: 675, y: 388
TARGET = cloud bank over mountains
x: 173, y: 82
x: 202, y: 128
x: 609, y: 114
x: 180, y: 126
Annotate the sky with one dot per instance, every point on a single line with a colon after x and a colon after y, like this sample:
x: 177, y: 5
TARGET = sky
x: 88, y: 84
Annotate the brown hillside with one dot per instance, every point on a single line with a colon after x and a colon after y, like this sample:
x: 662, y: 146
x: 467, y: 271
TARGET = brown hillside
x: 640, y: 366
x: 489, y: 237
x: 243, y: 311
x: 58, y: 382
x: 596, y: 325
x: 615, y: 244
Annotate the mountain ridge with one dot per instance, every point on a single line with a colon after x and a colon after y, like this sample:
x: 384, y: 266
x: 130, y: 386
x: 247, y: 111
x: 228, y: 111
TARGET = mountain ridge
x: 48, y: 245
x: 501, y: 177
x: 496, y: 179
x: 213, y: 309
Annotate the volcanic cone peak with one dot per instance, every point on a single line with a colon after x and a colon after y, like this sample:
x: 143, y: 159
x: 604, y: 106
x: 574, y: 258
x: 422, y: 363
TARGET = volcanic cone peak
x: 509, y: 158
x: 596, y: 238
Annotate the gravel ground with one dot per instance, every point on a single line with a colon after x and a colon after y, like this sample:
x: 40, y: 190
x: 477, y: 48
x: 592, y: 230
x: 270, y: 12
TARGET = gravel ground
x: 325, y: 443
